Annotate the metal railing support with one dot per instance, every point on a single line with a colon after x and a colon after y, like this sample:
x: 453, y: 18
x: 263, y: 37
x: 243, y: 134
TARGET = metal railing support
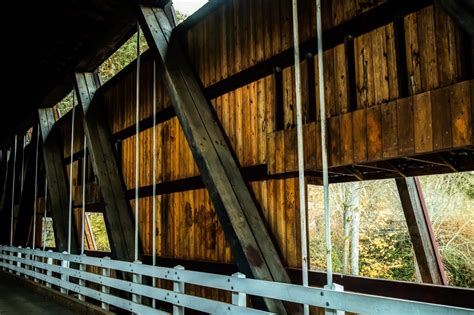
x: 103, y: 288
x: 64, y: 264
x: 238, y: 298
x: 178, y: 287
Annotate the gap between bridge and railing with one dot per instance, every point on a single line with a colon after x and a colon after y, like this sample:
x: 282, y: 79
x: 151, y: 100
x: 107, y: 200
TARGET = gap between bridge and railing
x: 56, y: 269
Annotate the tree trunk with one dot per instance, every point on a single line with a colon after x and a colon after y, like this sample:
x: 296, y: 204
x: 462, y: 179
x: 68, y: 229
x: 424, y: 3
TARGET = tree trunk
x: 350, y: 262
x: 355, y: 229
x: 347, y: 232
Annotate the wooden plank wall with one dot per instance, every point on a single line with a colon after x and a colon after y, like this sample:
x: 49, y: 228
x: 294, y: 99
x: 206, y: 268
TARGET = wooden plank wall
x: 436, y: 115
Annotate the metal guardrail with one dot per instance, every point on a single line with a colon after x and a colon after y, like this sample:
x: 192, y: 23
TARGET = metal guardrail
x: 55, y: 269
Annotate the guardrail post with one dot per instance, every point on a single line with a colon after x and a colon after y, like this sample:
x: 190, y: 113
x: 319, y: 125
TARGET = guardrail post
x: 105, y: 271
x: 178, y: 287
x: 334, y: 287
x: 18, y: 263
x: 64, y: 264
x: 49, y: 273
x: 5, y: 260
x: 2, y: 252
x: 36, y: 259
x: 137, y: 279
x: 238, y: 298
x: 27, y: 266
x: 82, y: 282
x: 12, y: 263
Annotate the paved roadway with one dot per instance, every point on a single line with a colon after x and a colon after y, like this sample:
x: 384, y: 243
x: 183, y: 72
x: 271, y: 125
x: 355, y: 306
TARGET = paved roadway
x: 15, y: 299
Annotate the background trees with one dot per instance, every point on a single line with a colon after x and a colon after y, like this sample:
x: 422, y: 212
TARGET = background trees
x: 385, y: 250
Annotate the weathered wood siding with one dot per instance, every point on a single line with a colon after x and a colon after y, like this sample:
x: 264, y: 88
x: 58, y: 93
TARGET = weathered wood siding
x: 435, y: 116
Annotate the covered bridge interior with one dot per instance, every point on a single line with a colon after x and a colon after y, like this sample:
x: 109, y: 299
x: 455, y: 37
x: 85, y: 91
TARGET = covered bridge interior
x: 191, y: 151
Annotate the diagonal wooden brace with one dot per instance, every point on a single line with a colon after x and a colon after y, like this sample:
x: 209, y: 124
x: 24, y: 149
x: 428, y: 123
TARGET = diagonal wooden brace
x: 117, y: 213
x: 57, y: 181
x: 251, y: 245
x: 420, y: 230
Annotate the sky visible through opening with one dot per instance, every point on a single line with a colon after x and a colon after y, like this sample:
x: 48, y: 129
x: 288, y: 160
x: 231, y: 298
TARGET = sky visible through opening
x: 188, y: 6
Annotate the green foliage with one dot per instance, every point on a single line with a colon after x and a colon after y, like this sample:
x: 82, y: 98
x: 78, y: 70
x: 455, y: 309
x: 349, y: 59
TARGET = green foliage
x: 119, y: 60
x: 97, y: 223
x: 48, y: 233
x: 66, y: 104
x: 122, y: 57
x: 385, y: 246
x: 181, y: 16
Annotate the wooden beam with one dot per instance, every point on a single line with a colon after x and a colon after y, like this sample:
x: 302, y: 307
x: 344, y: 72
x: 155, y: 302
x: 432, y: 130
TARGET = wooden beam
x: 462, y: 11
x: 427, y: 161
x: 421, y: 232
x: 118, y: 213
x: 3, y: 177
x: 57, y: 181
x: 6, y: 200
x: 26, y: 204
x: 6, y: 171
x: 366, y: 22
x: 251, y: 245
x: 445, y: 161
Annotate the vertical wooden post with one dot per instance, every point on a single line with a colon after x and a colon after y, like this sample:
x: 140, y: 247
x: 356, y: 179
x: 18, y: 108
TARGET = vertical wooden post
x: 37, y: 270
x: 137, y: 278
x: 57, y: 182
x: 105, y: 289
x: 64, y: 264
x: 2, y: 252
x: 27, y: 266
x: 49, y: 273
x: 421, y: 232
x: 11, y: 261
x: 118, y: 213
x: 18, y: 264
x: 82, y: 282
x: 178, y: 287
x: 238, y: 298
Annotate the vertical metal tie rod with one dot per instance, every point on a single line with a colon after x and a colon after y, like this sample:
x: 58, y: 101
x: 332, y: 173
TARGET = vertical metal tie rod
x: 45, y: 211
x: 299, y: 131
x: 83, y: 213
x: 36, y: 189
x: 137, y: 141
x: 69, y: 231
x: 22, y: 178
x: 153, y: 241
x: 13, y: 190
x: 322, y: 111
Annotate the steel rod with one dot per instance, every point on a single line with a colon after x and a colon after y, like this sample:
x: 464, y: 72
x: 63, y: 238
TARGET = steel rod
x: 137, y: 141
x: 69, y: 228
x: 23, y: 164
x: 322, y: 111
x: 299, y: 132
x: 83, y: 213
x: 45, y: 211
x: 36, y: 190
x: 13, y: 191
x: 153, y: 241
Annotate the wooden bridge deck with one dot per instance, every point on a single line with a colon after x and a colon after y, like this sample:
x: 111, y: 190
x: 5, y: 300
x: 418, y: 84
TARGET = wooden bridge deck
x: 18, y: 299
